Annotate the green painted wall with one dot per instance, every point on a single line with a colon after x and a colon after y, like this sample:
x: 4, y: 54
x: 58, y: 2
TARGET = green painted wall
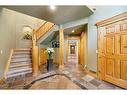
x: 101, y: 13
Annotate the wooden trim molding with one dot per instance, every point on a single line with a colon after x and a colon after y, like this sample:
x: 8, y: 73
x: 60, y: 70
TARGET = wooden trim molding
x: 8, y: 63
x: 113, y: 19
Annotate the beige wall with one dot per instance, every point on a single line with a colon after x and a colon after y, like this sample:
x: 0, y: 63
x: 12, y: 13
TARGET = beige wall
x: 7, y: 36
x: 11, y: 24
x: 21, y: 20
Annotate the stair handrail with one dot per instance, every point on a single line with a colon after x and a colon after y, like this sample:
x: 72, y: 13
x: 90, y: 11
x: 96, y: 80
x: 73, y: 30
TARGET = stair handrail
x: 41, y: 26
x: 47, y: 26
x: 8, y: 63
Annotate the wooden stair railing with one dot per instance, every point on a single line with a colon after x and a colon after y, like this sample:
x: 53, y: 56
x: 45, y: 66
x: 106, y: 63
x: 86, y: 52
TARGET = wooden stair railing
x: 47, y: 26
x: 37, y: 34
x: 8, y: 64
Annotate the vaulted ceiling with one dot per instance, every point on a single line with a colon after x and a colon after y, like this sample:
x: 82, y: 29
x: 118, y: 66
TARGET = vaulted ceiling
x: 61, y: 14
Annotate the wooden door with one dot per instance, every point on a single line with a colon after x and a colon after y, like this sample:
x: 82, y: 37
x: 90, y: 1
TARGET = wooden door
x: 72, y: 49
x: 112, y: 50
x: 43, y: 56
x: 116, y: 59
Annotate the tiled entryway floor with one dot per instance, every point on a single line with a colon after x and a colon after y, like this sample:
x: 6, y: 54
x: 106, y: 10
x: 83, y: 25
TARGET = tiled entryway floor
x: 71, y: 76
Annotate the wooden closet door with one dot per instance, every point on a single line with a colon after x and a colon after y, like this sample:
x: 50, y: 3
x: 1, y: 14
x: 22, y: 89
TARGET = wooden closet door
x: 112, y: 50
x: 116, y: 57
x: 43, y: 56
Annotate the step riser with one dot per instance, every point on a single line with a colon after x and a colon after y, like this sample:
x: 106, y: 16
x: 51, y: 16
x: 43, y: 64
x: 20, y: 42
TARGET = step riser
x: 19, y: 66
x: 21, y: 63
x: 22, y: 50
x: 14, y: 75
x: 18, y: 61
x: 19, y: 71
x: 19, y: 53
x: 22, y: 56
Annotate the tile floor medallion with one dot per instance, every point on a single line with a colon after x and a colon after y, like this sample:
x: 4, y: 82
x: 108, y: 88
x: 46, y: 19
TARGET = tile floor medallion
x: 72, y: 76
x: 55, y: 82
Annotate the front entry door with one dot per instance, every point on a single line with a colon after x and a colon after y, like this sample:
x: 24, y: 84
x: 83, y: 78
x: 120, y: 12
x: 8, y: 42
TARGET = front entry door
x: 116, y: 59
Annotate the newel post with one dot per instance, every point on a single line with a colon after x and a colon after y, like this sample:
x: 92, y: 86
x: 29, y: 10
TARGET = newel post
x: 34, y: 55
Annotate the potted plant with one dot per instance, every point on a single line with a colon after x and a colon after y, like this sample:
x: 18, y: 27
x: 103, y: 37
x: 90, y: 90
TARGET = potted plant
x: 26, y: 40
x: 50, y: 52
x: 27, y: 35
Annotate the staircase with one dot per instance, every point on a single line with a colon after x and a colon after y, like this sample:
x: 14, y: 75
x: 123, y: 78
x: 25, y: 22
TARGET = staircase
x: 21, y: 63
x: 24, y: 61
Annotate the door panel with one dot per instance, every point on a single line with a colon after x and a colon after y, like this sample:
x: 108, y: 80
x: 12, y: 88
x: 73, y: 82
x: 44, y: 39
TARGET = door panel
x: 123, y: 44
x: 109, y: 67
x: 123, y: 70
x: 110, y: 45
x: 117, y: 69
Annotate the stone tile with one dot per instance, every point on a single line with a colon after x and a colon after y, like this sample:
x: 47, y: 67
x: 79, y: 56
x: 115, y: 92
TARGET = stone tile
x: 17, y: 87
x: 66, y: 72
x: 19, y: 82
x: 28, y: 80
x: 4, y: 86
x: 89, y: 86
x: 73, y: 71
x: 95, y: 82
x: 73, y: 79
x: 62, y: 82
x: 43, y: 75
x: 88, y: 78
x: 118, y: 88
x: 105, y: 87
x: 52, y: 72
x: 80, y: 81
x: 108, y: 84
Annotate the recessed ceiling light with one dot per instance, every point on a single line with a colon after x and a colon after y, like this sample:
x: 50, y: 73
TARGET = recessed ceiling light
x: 73, y: 31
x: 52, y: 7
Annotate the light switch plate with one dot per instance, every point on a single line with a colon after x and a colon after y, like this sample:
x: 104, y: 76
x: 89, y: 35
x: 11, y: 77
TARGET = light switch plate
x: 96, y: 51
x: 1, y: 51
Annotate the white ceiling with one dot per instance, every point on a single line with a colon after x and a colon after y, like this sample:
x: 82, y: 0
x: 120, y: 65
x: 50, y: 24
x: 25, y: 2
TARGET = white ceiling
x: 62, y: 14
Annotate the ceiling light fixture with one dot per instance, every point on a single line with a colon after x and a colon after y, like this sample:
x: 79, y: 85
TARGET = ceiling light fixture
x: 73, y: 31
x: 52, y: 7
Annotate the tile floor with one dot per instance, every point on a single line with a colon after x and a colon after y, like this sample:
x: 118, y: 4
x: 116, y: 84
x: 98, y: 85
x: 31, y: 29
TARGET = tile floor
x: 71, y: 76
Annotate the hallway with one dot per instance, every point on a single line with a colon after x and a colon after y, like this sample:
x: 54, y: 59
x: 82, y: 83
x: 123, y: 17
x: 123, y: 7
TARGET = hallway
x: 71, y: 76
